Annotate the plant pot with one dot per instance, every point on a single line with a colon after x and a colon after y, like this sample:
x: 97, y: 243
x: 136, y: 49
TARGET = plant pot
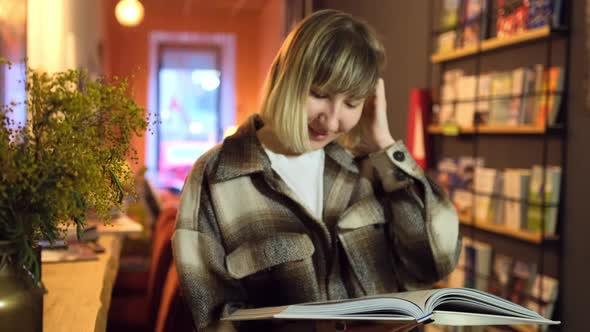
x: 21, y: 300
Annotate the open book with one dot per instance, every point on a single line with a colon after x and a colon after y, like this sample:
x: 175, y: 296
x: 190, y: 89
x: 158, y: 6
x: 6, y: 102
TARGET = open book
x: 446, y: 306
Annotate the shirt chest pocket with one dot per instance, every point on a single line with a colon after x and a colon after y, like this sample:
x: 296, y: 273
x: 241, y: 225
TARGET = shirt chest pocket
x: 363, y: 235
x: 275, y: 270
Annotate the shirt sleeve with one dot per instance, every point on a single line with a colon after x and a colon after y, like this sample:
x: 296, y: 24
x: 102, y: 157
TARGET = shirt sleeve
x: 205, y: 283
x: 424, y: 227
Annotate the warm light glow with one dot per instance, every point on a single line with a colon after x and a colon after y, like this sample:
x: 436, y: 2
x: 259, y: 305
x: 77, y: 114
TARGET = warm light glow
x: 230, y: 131
x: 196, y: 128
x: 208, y: 79
x: 129, y: 12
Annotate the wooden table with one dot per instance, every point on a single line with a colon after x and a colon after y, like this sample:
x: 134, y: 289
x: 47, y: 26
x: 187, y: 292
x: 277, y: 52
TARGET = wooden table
x: 79, y: 293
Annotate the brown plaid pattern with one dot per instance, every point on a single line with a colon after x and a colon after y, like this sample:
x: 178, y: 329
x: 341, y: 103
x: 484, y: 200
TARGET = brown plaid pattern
x: 244, y: 239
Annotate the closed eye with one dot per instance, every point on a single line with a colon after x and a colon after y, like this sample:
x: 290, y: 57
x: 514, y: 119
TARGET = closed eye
x: 353, y: 103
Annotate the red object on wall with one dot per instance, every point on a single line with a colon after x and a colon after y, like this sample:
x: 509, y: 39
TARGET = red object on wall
x: 417, y: 139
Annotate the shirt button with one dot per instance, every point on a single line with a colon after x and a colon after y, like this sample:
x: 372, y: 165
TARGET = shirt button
x: 399, y: 156
x: 400, y: 176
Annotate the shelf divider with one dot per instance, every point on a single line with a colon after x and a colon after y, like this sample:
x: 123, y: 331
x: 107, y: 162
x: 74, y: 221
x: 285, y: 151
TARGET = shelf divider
x: 502, y: 230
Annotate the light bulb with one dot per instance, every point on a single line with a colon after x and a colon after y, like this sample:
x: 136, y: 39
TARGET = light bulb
x: 129, y: 12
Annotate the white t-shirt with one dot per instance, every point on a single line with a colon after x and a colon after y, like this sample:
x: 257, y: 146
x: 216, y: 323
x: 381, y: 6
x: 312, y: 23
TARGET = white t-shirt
x: 304, y: 174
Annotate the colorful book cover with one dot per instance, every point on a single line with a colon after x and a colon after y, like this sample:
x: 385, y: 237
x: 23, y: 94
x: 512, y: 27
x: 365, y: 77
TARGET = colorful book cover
x: 523, y: 276
x: 470, y: 265
x: 529, y: 101
x: 446, y: 175
x: 466, y: 170
x: 496, y: 209
x: 518, y: 81
x: 484, y: 183
x: 512, y: 17
x: 446, y: 41
x: 484, y: 92
x: 543, y: 296
x: 450, y: 14
x: 500, y: 104
x: 483, y: 265
x: 475, y: 22
x: 515, y: 189
x: 543, y: 13
x: 549, y: 99
x: 541, y: 217
x: 465, y: 108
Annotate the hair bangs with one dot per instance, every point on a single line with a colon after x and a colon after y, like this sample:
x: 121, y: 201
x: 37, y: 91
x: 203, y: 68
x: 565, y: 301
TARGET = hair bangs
x: 350, y: 68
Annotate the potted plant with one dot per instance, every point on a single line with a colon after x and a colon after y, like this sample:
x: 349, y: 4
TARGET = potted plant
x: 70, y: 156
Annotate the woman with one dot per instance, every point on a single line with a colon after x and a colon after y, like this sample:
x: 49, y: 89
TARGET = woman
x: 283, y: 212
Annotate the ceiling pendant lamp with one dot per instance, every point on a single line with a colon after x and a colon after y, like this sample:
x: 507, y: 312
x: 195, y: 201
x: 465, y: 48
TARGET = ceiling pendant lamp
x: 129, y: 12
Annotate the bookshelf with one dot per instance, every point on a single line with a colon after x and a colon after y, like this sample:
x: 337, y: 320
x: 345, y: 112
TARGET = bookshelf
x: 537, y: 238
x: 540, y: 140
x: 488, y: 129
x: 493, y: 44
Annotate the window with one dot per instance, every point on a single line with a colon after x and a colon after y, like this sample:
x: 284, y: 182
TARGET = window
x: 189, y: 80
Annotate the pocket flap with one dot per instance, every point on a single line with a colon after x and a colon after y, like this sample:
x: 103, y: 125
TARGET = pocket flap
x: 363, y: 213
x: 253, y: 257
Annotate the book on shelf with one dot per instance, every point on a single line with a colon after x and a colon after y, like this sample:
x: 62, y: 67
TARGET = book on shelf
x: 475, y: 22
x: 500, y: 105
x: 450, y: 14
x: 496, y: 214
x: 457, y: 277
x: 543, y: 296
x: 446, y: 306
x: 447, y: 174
x: 515, y: 116
x: 512, y: 17
x: 522, y: 96
x: 549, y: 99
x: 529, y: 108
x: 449, y: 93
x: 521, y: 282
x: 544, y: 13
x: 542, y: 211
x: 446, y: 41
x: 484, y: 92
x: 485, y: 184
x: 465, y: 109
x: 483, y: 264
x: 501, y: 275
x: 449, y: 38
x: 463, y: 201
x: 515, y: 189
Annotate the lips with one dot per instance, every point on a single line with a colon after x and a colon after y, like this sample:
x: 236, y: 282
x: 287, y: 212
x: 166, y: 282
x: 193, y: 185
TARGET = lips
x: 317, y: 135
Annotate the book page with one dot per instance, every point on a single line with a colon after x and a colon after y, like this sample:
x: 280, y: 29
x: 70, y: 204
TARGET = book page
x: 471, y: 319
x: 256, y: 313
x: 417, y: 297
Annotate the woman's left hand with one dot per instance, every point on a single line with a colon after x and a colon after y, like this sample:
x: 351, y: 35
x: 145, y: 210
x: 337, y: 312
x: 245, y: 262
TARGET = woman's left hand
x: 374, y: 126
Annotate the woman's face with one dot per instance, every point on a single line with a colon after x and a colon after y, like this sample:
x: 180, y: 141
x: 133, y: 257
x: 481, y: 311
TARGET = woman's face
x: 330, y: 115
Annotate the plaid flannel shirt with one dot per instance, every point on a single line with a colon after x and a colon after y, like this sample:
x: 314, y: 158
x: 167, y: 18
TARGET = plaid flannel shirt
x: 244, y: 239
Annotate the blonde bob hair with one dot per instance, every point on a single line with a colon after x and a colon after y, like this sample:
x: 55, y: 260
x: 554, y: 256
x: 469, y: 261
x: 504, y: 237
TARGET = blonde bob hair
x: 330, y: 51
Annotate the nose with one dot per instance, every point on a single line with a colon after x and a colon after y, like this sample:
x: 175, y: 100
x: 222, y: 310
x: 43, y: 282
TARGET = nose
x: 330, y: 117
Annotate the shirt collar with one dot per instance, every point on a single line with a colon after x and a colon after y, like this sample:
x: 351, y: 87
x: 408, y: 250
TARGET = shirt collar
x: 242, y: 153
